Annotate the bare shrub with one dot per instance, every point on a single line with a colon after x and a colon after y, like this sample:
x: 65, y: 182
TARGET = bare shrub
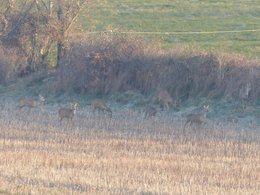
x: 111, y: 63
x: 10, y: 61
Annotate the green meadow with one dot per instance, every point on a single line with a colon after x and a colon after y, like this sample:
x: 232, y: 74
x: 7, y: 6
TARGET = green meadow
x: 222, y: 25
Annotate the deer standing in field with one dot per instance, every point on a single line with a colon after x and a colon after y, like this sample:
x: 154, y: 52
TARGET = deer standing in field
x: 98, y: 104
x: 244, y: 94
x: 150, y: 111
x: 2, y: 106
x: 68, y: 113
x: 164, y: 99
x: 197, y: 118
x: 30, y: 103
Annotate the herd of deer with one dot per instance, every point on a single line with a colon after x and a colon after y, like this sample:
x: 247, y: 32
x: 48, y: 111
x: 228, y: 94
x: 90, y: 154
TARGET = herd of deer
x: 163, y: 98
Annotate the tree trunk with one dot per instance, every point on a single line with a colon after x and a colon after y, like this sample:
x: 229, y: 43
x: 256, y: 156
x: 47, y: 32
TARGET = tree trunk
x: 60, y: 42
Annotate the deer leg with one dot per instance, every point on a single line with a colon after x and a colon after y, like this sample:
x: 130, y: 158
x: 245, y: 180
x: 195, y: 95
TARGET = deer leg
x: 187, y: 122
x: 93, y: 110
x: 145, y: 115
x: 18, y: 109
x: 109, y: 113
x: 185, y: 125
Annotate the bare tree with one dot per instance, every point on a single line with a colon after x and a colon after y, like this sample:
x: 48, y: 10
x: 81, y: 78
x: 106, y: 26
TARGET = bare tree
x: 67, y: 12
x: 35, y: 26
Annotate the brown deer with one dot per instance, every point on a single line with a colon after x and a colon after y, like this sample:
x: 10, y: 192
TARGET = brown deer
x: 244, y: 94
x: 2, y: 106
x: 30, y: 103
x: 197, y: 118
x: 150, y: 111
x: 98, y: 104
x: 164, y: 99
x: 68, y: 113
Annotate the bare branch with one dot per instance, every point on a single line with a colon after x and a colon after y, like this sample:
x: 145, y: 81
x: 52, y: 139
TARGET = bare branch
x: 80, y: 7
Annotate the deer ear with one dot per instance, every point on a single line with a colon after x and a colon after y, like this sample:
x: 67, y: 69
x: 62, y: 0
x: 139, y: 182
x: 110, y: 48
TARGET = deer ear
x: 74, y: 104
x: 41, y: 97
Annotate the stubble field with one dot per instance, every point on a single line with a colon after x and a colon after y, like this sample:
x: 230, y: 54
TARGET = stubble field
x: 125, y: 154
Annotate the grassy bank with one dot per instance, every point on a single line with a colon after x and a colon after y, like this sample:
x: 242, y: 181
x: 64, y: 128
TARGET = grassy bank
x: 182, y: 16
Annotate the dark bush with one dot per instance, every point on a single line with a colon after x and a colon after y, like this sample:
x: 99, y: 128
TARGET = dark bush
x: 109, y: 63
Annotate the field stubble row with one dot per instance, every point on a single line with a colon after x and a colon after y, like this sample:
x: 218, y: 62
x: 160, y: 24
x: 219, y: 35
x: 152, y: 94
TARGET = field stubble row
x: 125, y: 155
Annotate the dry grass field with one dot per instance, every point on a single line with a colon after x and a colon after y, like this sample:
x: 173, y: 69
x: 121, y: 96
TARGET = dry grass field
x: 126, y: 53
x: 125, y: 155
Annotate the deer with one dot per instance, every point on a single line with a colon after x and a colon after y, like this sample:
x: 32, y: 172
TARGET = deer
x: 197, y: 118
x: 150, y: 111
x: 98, y: 104
x: 30, y: 103
x: 2, y: 106
x: 68, y: 113
x: 244, y: 94
x: 164, y: 99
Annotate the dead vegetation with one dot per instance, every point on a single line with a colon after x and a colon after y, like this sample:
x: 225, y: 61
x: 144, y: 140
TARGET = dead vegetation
x: 110, y: 64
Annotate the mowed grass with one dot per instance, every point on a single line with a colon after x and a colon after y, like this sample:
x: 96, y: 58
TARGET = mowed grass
x: 182, y: 16
x: 125, y: 155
